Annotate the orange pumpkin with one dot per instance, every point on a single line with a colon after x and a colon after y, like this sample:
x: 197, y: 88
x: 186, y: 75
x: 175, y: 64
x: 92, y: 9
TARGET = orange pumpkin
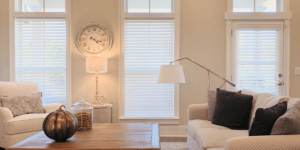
x: 60, y: 125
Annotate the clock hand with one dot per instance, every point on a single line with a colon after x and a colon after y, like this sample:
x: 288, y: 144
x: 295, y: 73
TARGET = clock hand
x: 97, y: 41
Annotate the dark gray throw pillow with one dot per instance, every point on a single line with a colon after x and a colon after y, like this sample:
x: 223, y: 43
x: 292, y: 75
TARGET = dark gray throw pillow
x: 232, y: 110
x: 265, y: 118
x: 211, y: 100
x: 288, y: 123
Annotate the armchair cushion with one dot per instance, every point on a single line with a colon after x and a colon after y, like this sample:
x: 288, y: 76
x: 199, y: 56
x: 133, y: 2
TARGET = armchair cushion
x: 25, y: 123
x: 19, y: 105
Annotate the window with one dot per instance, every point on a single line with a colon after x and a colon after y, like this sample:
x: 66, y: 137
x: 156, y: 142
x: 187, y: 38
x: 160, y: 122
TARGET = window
x: 40, y: 6
x: 147, y: 44
x: 258, y: 45
x: 149, y: 6
x: 257, y: 56
x: 40, y: 47
x: 257, y: 5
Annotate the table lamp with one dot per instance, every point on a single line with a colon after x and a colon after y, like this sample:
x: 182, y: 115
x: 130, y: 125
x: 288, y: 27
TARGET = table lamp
x: 174, y: 73
x: 96, y: 64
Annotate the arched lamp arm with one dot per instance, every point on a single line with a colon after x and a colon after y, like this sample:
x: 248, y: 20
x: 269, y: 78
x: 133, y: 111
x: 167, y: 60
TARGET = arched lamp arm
x: 231, y: 83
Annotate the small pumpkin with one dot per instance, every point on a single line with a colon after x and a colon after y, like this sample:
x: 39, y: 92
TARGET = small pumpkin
x: 60, y: 125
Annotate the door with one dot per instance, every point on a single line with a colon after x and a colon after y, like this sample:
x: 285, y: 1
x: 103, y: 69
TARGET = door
x: 257, y: 56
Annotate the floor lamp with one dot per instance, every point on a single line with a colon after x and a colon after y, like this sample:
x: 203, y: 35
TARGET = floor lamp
x: 174, y: 73
x: 96, y: 64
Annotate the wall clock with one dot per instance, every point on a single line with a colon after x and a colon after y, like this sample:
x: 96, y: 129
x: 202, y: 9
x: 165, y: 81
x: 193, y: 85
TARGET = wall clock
x: 93, y: 39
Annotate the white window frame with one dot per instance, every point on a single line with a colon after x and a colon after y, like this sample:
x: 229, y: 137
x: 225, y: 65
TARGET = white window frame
x: 284, y: 16
x: 66, y: 15
x: 123, y: 16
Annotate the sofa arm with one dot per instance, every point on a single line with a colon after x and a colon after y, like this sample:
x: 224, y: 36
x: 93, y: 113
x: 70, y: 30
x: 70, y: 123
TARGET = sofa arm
x: 5, y: 115
x: 274, y: 142
x: 197, y: 111
x: 52, y: 107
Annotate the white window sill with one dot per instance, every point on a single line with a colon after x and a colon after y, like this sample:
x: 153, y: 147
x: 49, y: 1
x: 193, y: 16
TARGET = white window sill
x: 150, y: 120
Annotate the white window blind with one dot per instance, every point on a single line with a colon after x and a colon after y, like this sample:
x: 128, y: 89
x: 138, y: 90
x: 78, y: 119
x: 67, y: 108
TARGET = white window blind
x: 258, y: 58
x: 40, y: 56
x: 148, y: 44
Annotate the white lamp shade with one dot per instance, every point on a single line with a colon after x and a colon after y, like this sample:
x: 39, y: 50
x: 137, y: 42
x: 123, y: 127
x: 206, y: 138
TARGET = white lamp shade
x: 171, y: 74
x: 96, y: 64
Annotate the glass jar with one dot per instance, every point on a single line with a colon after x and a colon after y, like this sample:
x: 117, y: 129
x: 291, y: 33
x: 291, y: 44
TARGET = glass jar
x: 83, y: 111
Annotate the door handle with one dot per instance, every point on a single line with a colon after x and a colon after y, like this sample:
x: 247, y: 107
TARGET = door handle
x: 280, y: 83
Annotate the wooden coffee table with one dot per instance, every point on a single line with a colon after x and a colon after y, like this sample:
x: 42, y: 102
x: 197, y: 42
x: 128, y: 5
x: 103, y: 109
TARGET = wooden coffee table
x: 136, y: 136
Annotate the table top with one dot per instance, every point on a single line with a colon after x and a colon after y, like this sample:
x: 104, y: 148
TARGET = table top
x: 136, y: 136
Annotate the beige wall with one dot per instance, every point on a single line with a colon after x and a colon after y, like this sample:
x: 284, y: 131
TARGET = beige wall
x: 295, y: 48
x: 4, y: 41
x: 83, y: 84
x: 202, y: 38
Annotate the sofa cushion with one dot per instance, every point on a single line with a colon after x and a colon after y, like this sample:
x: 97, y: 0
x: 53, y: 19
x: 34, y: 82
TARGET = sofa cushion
x: 265, y: 118
x: 288, y: 123
x: 25, y: 123
x: 232, y: 110
x: 215, y: 138
x: 193, y: 125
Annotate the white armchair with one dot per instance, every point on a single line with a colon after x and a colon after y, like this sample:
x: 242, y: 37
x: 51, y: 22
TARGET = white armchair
x: 16, y: 129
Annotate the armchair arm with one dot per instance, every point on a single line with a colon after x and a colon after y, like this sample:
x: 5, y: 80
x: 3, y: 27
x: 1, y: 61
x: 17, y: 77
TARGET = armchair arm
x: 51, y: 107
x: 274, y: 142
x: 197, y: 111
x: 5, y: 115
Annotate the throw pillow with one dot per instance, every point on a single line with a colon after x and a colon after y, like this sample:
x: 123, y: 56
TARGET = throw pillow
x: 211, y: 100
x: 232, y: 110
x: 265, y: 118
x: 20, y: 105
x: 266, y: 100
x: 288, y: 123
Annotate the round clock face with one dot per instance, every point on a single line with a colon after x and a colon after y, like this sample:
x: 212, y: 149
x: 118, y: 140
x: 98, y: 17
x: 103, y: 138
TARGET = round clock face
x: 93, y: 39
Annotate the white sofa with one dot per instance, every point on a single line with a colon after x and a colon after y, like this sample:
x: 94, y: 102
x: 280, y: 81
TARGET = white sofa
x: 203, y: 135
x: 16, y: 129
